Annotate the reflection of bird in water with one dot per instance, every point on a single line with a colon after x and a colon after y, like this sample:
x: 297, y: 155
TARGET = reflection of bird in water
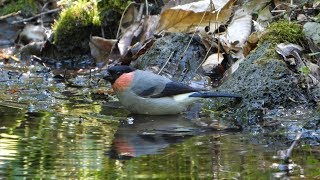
x: 151, y: 134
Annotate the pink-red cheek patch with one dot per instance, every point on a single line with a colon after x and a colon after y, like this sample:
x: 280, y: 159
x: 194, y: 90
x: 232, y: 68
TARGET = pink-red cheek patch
x: 123, y: 82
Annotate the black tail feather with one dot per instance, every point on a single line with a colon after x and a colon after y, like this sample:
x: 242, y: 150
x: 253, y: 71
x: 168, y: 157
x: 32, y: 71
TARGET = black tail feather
x: 214, y: 94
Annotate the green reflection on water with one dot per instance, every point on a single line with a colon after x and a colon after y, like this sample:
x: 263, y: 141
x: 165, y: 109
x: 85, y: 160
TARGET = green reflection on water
x: 44, y: 145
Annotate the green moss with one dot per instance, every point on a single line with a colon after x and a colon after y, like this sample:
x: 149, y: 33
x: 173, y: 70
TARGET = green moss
x: 263, y: 61
x: 75, y: 25
x: 305, y: 70
x: 282, y: 32
x: 25, y: 6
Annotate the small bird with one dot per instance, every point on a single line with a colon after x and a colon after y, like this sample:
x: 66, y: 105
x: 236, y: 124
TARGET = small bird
x: 143, y: 92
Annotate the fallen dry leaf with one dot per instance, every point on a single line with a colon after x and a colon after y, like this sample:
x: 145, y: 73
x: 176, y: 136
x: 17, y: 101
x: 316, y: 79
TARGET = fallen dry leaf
x: 286, y: 50
x: 126, y: 40
x: 237, y: 33
x: 264, y: 18
x: 255, y: 6
x: 101, y: 48
x: 149, y: 27
x: 194, y: 16
x: 136, y: 30
x: 212, y: 61
x: 239, y: 29
x: 129, y: 16
x: 6, y: 55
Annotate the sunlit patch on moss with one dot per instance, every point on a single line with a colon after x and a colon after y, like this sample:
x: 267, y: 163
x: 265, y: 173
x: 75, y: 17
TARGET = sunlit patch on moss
x: 282, y: 32
x: 75, y: 25
x: 25, y: 6
x: 305, y: 70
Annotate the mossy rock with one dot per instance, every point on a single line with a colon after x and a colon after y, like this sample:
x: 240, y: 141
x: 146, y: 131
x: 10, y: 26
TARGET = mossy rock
x: 182, y: 65
x: 27, y: 7
x: 281, y: 32
x: 75, y: 25
x: 264, y: 84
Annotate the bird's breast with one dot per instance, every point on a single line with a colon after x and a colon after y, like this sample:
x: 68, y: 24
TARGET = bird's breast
x: 123, y: 82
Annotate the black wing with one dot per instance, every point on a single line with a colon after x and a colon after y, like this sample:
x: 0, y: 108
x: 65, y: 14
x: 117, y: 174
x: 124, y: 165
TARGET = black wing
x: 171, y: 89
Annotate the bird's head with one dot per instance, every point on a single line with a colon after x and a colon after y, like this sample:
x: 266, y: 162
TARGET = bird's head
x: 115, y: 72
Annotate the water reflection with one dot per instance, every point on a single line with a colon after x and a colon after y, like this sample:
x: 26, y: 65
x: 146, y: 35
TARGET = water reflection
x: 45, y: 145
x: 141, y: 135
x: 8, y: 147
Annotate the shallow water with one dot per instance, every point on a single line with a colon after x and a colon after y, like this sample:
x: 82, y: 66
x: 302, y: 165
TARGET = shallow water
x: 45, y: 145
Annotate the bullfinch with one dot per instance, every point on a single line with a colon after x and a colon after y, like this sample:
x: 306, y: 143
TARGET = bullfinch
x: 143, y: 92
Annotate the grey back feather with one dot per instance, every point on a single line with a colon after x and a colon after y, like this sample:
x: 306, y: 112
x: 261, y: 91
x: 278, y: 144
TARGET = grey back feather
x: 148, y: 84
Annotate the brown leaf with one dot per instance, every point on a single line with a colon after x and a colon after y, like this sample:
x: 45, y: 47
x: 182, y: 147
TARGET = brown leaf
x: 143, y: 49
x: 240, y: 28
x: 212, y: 61
x: 101, y: 48
x: 198, y: 15
x: 129, y: 16
x: 126, y: 40
x: 286, y: 50
x: 4, y: 56
x: 150, y: 25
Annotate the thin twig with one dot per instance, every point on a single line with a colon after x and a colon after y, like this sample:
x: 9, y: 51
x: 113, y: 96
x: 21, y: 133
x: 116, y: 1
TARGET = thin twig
x: 147, y: 8
x: 218, y: 45
x: 289, y: 150
x: 36, y: 16
x: 219, y: 41
x: 9, y: 15
x: 166, y: 62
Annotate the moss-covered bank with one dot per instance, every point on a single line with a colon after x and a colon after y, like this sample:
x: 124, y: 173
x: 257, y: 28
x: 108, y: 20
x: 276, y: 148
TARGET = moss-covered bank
x: 27, y: 7
x: 75, y: 25
x: 281, y: 32
x: 264, y: 84
x: 82, y: 19
x: 264, y: 80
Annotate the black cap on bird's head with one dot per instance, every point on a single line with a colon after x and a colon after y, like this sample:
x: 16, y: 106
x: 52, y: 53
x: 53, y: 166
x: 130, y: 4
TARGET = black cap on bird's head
x: 115, y: 72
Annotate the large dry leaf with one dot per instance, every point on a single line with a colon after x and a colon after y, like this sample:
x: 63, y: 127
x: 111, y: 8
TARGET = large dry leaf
x: 264, y: 18
x: 197, y: 6
x: 286, y: 50
x: 194, y: 16
x: 129, y: 16
x: 6, y: 55
x: 149, y: 27
x: 136, y: 30
x: 101, y: 48
x: 126, y: 40
x: 240, y: 28
x: 237, y: 33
